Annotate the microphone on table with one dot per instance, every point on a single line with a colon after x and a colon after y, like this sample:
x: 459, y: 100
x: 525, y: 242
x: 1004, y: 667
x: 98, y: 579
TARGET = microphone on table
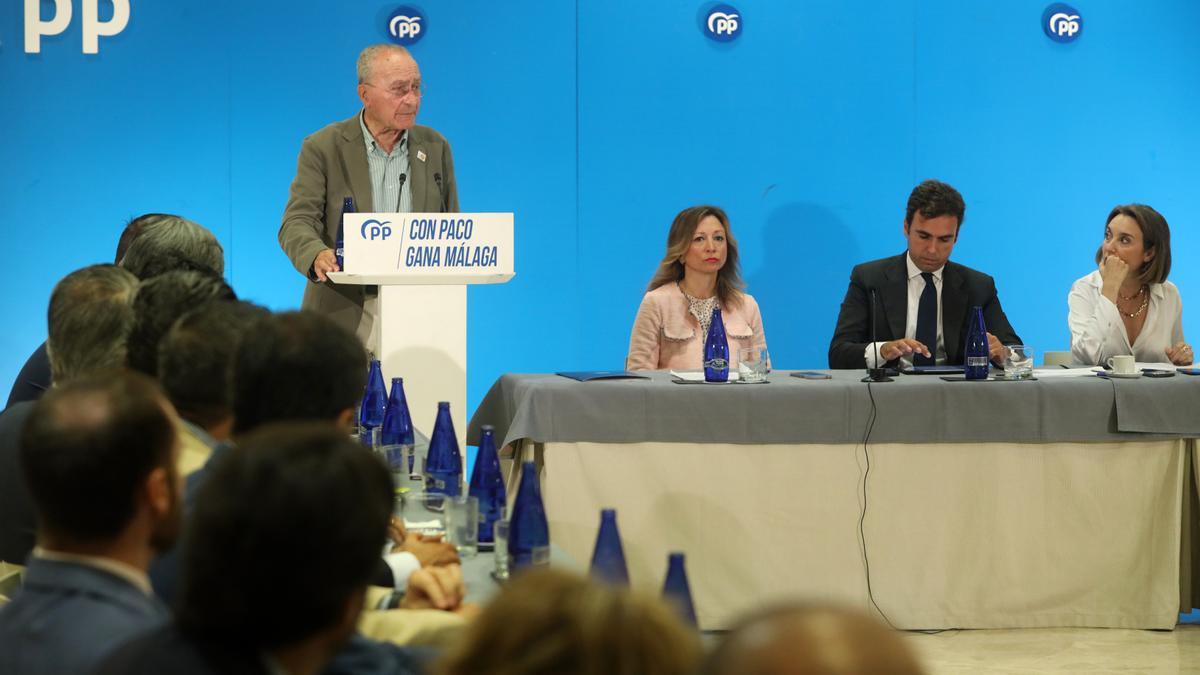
x: 878, y: 373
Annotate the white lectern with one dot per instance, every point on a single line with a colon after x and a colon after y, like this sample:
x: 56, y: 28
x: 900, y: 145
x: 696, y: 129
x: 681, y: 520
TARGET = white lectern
x: 422, y: 263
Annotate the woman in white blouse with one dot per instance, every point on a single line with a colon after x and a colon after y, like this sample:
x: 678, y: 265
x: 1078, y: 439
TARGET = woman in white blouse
x: 1127, y: 306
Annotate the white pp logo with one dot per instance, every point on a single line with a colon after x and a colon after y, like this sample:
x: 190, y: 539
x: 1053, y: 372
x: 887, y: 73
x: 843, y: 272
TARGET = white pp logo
x: 406, y: 25
x: 723, y: 23
x: 1062, y: 23
x: 93, y: 27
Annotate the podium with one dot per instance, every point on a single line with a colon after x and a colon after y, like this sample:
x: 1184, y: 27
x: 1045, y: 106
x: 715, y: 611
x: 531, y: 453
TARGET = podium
x: 422, y: 264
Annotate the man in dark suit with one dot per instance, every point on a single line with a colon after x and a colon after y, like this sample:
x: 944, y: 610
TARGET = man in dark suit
x: 298, y: 507
x: 90, y: 318
x: 99, y: 458
x: 922, y: 299
x: 380, y: 158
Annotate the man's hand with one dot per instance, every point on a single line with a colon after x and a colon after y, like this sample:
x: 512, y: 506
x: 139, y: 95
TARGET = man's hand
x: 434, y: 588
x: 996, y: 350
x: 897, y: 348
x: 1181, y: 354
x: 430, y: 551
x: 324, y: 263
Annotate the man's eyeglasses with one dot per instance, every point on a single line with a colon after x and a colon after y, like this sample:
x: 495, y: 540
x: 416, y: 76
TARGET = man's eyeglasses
x: 401, y: 90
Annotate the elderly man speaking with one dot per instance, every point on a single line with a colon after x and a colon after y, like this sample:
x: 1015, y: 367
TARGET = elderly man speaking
x: 381, y: 159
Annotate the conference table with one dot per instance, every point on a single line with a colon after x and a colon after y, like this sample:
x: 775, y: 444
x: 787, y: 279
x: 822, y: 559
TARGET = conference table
x: 1068, y: 500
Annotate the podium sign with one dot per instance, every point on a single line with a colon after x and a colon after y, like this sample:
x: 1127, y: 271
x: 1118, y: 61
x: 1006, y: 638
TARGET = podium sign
x: 422, y: 264
x: 438, y: 247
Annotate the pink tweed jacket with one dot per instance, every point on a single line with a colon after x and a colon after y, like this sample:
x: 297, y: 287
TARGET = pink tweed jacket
x: 666, y: 335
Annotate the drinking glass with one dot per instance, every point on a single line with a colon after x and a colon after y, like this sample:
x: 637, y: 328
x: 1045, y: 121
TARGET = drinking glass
x: 753, y: 365
x: 462, y: 524
x: 500, y: 535
x: 1018, y: 362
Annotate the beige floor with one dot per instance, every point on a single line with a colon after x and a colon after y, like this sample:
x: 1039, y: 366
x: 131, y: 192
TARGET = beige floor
x: 1060, y: 650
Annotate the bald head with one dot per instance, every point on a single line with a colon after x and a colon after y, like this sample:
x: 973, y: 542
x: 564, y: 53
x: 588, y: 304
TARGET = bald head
x: 812, y: 640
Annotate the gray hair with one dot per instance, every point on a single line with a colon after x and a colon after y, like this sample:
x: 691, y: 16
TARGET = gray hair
x: 171, y: 243
x: 89, y: 320
x: 366, y: 59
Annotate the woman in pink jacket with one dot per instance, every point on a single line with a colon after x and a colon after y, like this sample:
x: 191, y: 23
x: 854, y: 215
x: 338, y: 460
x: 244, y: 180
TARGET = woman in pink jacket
x: 699, y: 272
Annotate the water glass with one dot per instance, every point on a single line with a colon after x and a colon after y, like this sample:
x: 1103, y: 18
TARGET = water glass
x: 423, y: 513
x: 462, y: 524
x: 1018, y: 362
x: 753, y: 365
x: 500, y: 535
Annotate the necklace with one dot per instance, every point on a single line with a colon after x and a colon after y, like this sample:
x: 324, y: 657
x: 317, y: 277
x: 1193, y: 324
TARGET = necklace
x: 1134, y: 315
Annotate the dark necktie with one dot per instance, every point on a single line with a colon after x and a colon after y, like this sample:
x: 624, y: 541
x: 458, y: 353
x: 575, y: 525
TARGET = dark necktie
x: 927, y: 322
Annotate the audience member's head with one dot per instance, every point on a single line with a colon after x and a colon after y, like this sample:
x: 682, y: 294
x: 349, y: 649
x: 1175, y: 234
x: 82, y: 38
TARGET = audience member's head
x: 89, y: 321
x: 297, y: 507
x: 548, y: 622
x: 816, y: 639
x: 195, y: 360
x: 133, y: 229
x: 297, y: 366
x: 99, y: 456
x: 159, y: 302
x: 166, y: 242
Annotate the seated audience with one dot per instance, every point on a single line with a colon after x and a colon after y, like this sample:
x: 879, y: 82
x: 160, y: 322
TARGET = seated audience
x: 98, y: 455
x: 812, y: 640
x: 548, y: 622
x: 89, y: 319
x: 280, y: 545
x: 195, y: 367
x: 698, y: 273
x: 160, y: 301
x: 173, y: 239
x: 1127, y: 306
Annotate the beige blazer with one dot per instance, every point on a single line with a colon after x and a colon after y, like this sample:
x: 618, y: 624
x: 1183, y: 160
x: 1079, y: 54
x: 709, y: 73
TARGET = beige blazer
x: 332, y: 166
x: 666, y: 335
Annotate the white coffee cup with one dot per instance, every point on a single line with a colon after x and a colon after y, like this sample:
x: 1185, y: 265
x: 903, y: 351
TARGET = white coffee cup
x: 1122, y: 365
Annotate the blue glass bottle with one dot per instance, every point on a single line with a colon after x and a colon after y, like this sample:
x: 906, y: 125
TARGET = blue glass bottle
x: 528, y: 531
x: 374, y: 405
x: 975, y: 351
x: 608, y: 558
x: 487, y: 484
x: 397, y: 431
x: 443, y: 466
x: 339, y: 246
x: 676, y: 590
x: 716, y: 350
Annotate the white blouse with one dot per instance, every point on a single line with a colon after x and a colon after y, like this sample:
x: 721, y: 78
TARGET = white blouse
x: 1098, y: 333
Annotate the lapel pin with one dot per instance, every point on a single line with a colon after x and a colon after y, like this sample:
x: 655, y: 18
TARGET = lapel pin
x: 421, y: 155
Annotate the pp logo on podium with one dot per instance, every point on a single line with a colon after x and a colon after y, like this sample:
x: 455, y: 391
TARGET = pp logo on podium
x: 373, y: 229
x: 407, y: 25
x: 1062, y: 23
x: 722, y: 23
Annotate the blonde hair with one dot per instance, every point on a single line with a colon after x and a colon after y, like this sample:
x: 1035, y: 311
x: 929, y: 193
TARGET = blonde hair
x: 548, y: 622
x: 679, y: 239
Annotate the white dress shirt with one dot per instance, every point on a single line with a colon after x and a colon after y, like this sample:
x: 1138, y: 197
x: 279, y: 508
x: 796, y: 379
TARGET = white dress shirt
x: 1097, y: 331
x: 916, y: 286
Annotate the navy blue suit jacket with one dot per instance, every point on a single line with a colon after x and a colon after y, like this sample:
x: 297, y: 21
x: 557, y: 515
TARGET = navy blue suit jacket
x: 68, y: 617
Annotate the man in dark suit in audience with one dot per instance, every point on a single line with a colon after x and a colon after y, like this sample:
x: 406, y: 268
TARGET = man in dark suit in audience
x: 90, y: 318
x: 923, y: 300
x: 160, y: 302
x: 298, y: 507
x: 99, y: 458
x: 171, y: 243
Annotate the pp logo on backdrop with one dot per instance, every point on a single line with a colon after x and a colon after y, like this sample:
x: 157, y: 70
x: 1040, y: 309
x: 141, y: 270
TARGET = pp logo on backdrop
x: 722, y: 23
x: 407, y: 25
x: 1061, y: 22
x: 93, y: 27
x: 373, y: 229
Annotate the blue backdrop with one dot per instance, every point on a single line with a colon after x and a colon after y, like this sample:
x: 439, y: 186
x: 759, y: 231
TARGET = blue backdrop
x: 595, y: 122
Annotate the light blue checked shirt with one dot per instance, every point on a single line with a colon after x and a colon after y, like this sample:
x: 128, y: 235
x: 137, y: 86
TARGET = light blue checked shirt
x: 386, y: 193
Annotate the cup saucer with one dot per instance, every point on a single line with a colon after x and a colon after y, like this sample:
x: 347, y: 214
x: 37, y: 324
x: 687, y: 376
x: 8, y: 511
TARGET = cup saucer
x: 1124, y: 376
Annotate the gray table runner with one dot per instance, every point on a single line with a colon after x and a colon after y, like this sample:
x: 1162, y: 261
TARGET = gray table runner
x: 788, y: 410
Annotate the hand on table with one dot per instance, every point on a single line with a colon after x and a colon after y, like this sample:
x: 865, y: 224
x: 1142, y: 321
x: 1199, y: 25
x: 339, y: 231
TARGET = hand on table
x: 434, y: 588
x: 429, y: 551
x: 889, y: 351
x: 1181, y: 354
x: 324, y: 263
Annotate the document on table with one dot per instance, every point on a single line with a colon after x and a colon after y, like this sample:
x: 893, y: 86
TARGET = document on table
x: 698, y: 375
